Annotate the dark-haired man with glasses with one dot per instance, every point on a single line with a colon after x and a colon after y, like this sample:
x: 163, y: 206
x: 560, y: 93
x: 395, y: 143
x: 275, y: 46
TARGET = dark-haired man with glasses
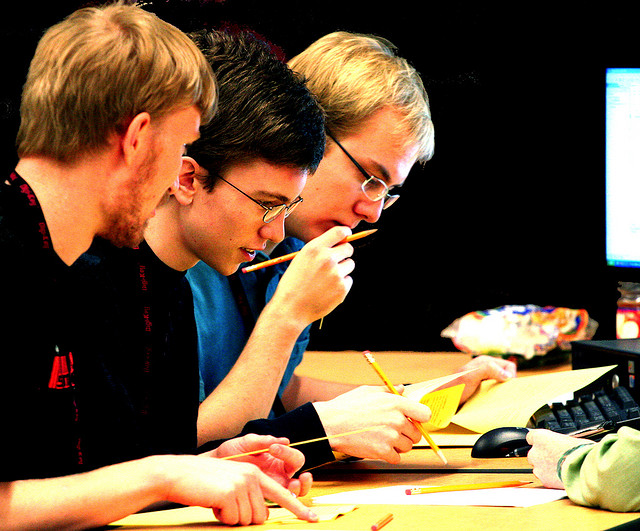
x: 378, y: 127
x: 238, y: 182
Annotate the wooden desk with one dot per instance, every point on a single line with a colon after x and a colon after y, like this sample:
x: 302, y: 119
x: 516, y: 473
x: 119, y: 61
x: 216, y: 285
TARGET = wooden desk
x: 559, y: 515
x: 401, y: 367
x: 422, y: 467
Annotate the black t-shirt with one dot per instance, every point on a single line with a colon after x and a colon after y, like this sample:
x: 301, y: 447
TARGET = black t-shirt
x: 76, y: 394
x: 99, y: 360
x: 158, y: 364
x: 38, y: 392
x: 151, y: 323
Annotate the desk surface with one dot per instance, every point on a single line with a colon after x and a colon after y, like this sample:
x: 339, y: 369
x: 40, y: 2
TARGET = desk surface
x: 401, y: 367
x: 559, y: 515
x: 421, y: 466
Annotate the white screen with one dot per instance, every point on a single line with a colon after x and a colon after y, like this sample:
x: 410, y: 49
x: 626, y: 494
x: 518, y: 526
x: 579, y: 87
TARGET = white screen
x: 622, y: 166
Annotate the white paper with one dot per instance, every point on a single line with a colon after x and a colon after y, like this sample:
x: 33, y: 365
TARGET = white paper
x: 512, y: 403
x: 396, y: 495
x: 417, y: 390
x: 185, y: 516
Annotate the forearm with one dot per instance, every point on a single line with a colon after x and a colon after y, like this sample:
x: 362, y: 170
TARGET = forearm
x: 606, y: 474
x: 248, y: 391
x: 303, y: 389
x: 316, y: 281
x: 80, y: 501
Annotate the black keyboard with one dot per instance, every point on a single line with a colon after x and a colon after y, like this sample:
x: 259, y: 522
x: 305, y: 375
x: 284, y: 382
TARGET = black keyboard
x: 604, y: 410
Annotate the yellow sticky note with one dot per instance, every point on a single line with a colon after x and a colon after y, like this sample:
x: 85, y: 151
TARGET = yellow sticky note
x: 443, y: 404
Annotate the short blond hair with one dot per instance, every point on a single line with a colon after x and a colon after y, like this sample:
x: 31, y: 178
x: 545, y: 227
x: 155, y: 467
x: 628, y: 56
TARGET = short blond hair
x: 354, y: 75
x: 100, y: 67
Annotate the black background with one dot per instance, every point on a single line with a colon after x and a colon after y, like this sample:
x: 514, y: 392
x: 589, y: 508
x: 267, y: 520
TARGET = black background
x: 509, y: 211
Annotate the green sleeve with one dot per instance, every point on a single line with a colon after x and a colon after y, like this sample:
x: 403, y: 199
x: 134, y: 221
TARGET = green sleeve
x: 606, y: 474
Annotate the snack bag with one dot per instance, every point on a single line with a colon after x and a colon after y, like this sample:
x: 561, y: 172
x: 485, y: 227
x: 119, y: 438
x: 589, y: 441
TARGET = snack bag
x: 527, y: 330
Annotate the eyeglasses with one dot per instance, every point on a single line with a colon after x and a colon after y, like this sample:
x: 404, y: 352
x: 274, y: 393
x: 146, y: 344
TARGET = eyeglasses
x: 372, y: 187
x: 271, y: 212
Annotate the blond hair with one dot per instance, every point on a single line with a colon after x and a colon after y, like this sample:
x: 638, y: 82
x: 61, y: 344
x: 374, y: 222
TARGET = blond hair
x: 100, y: 67
x: 354, y: 75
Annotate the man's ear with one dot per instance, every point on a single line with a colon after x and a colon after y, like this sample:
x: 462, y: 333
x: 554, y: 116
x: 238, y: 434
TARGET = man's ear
x: 187, y: 182
x: 137, y: 141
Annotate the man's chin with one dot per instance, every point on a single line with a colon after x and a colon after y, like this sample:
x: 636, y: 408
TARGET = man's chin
x: 231, y: 270
x: 226, y: 269
x: 125, y: 235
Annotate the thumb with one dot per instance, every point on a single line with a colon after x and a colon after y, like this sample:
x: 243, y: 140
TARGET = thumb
x: 417, y: 411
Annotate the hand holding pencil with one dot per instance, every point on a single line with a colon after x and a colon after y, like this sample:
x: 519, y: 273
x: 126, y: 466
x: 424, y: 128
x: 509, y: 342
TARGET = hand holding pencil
x: 316, y: 282
x: 369, y: 357
x: 372, y: 405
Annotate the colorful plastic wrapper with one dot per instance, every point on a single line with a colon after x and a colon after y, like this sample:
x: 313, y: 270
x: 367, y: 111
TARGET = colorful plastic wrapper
x: 526, y: 330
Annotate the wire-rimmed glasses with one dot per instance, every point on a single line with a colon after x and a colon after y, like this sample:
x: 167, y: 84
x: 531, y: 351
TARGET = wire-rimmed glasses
x: 374, y: 188
x: 271, y: 212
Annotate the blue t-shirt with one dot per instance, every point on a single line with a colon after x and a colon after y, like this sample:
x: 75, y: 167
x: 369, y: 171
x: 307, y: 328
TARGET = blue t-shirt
x: 222, y: 330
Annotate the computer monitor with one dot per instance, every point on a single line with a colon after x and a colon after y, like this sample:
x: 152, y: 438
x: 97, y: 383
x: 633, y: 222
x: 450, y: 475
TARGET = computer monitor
x: 622, y: 171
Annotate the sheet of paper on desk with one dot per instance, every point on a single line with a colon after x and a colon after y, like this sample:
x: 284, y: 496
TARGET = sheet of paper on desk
x: 512, y: 403
x: 202, y: 515
x: 418, y: 390
x: 396, y: 495
x: 452, y: 435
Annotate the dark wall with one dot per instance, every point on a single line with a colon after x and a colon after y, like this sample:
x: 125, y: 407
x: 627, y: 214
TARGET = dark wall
x: 510, y: 209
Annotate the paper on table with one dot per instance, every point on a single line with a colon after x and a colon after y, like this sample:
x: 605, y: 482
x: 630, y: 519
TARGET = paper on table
x: 443, y: 402
x: 494, y: 404
x: 395, y: 495
x: 454, y: 435
x: 324, y: 514
x: 417, y: 390
x: 202, y: 515
x: 512, y: 403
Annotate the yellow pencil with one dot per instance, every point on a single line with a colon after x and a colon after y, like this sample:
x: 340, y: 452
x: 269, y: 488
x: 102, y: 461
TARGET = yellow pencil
x: 264, y: 450
x: 291, y: 256
x: 382, y: 522
x: 474, y: 486
x: 393, y: 390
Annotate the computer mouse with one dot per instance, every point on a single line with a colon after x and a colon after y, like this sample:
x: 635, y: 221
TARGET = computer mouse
x: 501, y: 442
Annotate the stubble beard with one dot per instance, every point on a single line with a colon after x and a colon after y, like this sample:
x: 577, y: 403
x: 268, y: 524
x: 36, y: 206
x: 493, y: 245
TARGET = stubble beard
x: 126, y: 224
